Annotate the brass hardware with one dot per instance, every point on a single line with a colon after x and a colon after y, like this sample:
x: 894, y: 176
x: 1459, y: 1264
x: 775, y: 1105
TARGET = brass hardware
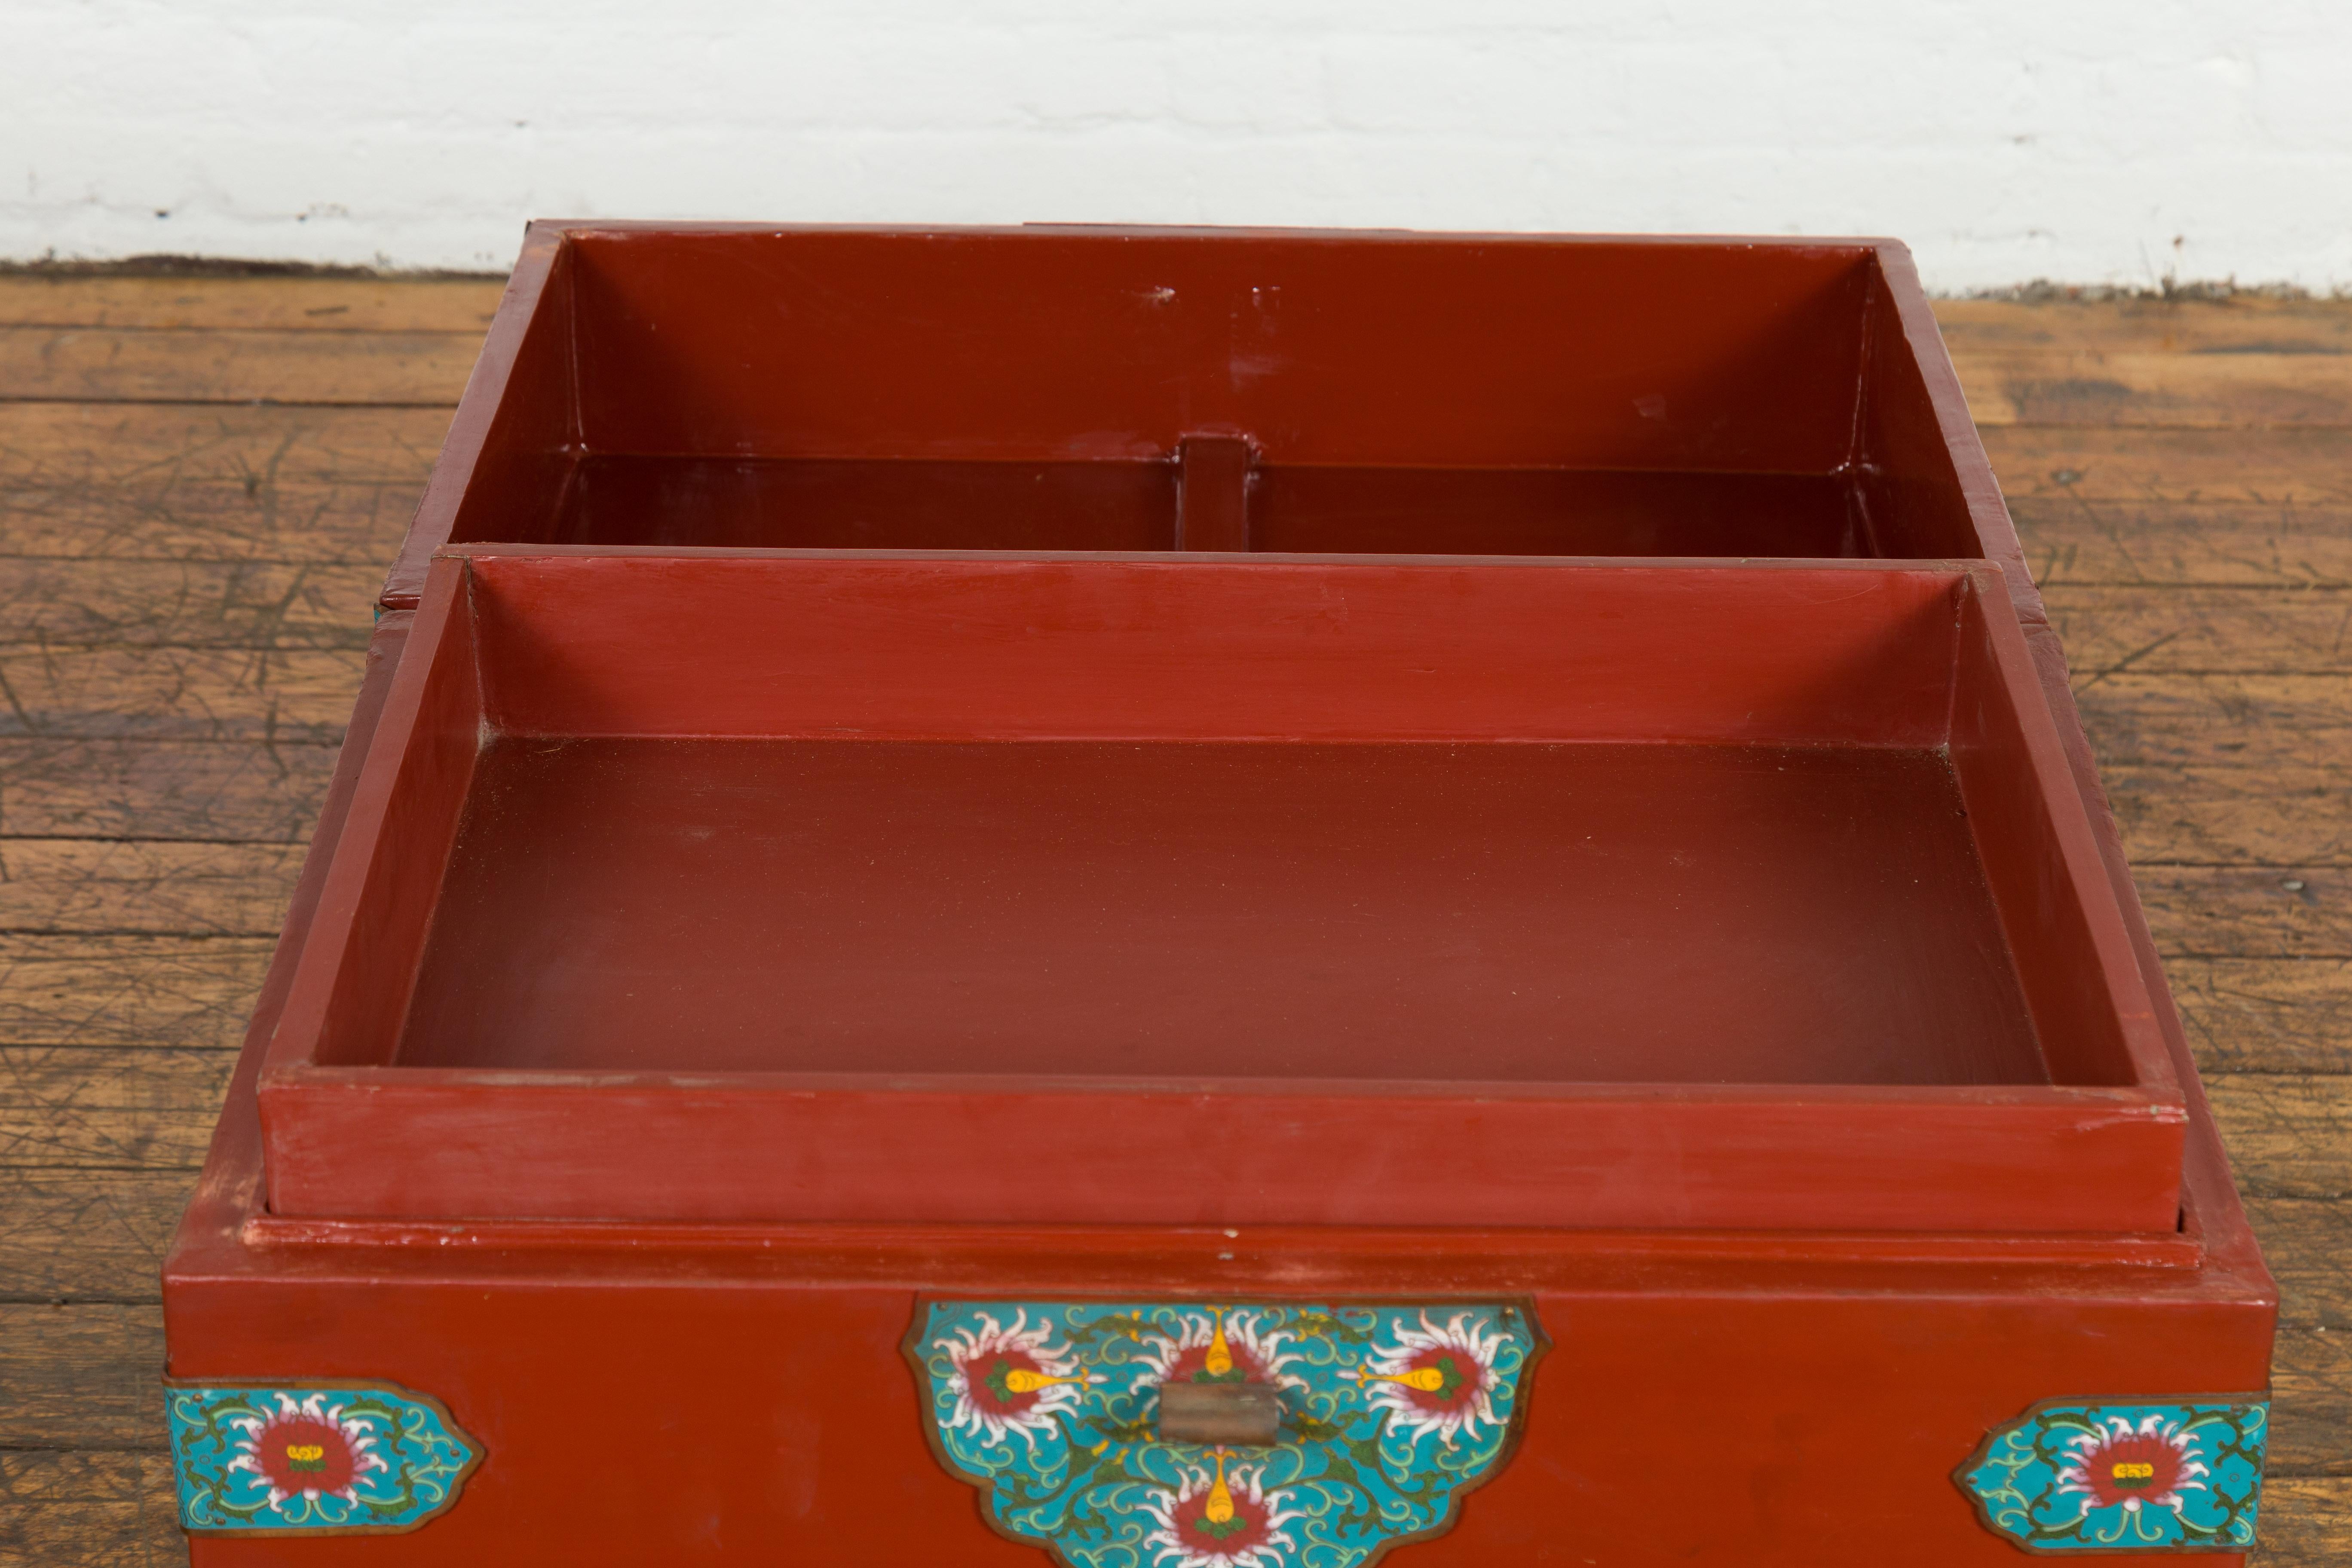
x: 1247, y: 1415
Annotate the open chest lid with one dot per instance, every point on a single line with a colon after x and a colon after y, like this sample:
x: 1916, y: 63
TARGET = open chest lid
x: 772, y: 884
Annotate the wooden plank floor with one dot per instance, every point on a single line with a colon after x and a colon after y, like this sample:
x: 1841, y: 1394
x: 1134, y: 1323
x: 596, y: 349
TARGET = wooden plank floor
x: 201, y: 479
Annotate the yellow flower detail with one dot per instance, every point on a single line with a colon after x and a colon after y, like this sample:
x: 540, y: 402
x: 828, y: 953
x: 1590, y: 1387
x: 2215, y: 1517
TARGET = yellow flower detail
x: 1221, y: 1354
x: 1428, y: 1379
x: 1220, y: 1506
x: 1020, y: 1380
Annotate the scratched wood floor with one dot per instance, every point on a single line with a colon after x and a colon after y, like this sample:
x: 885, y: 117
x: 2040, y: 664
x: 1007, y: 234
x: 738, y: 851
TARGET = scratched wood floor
x: 201, y: 481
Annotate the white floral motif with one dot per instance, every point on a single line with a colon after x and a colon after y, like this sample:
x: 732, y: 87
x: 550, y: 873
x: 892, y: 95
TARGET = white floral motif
x: 2163, y: 1453
x: 261, y: 1430
x: 1416, y: 1411
x: 1242, y: 1335
x: 974, y: 1351
x: 1263, y: 1543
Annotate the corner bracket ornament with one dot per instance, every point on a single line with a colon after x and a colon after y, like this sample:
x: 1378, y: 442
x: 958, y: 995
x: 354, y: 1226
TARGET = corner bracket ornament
x: 313, y: 1458
x: 1380, y: 1418
x: 2123, y: 1475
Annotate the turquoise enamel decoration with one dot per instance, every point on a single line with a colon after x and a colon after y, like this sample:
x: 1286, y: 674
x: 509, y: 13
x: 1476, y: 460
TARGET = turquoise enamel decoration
x: 2123, y: 1475
x: 321, y: 1459
x: 1387, y: 1416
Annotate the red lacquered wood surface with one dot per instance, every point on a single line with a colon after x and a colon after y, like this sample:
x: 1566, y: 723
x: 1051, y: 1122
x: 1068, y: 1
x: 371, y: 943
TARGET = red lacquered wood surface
x: 1512, y: 913
x: 991, y: 646
x: 1043, y: 344
x: 735, y: 1393
x: 715, y: 1417
x: 915, y: 505
x: 1213, y: 953
x: 854, y: 504
x: 1025, y: 389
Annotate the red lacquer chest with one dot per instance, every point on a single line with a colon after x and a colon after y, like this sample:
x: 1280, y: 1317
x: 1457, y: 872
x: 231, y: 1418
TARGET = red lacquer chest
x: 1214, y: 900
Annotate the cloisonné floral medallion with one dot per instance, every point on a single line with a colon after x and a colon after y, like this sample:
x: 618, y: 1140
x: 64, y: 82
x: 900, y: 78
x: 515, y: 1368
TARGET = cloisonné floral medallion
x: 2125, y: 1476
x: 323, y: 1459
x: 1381, y: 1418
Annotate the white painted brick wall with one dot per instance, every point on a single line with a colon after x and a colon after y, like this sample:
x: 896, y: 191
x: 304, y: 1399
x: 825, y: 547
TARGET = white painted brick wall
x: 2082, y: 141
